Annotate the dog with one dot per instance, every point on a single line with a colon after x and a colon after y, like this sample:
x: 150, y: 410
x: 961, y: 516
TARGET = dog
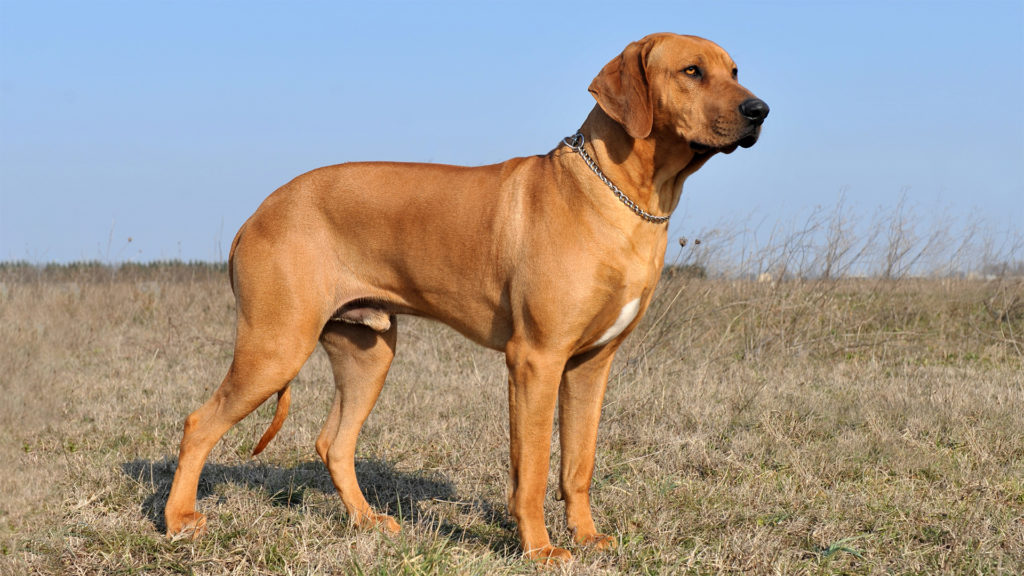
x: 551, y: 259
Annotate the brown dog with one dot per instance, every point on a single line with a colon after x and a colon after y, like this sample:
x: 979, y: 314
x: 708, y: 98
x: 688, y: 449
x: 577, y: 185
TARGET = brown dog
x: 539, y: 257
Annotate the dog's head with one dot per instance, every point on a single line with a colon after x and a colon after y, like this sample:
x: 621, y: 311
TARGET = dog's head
x: 681, y: 86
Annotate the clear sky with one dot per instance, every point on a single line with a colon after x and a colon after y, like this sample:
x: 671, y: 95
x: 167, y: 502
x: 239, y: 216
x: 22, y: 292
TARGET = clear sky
x: 169, y: 122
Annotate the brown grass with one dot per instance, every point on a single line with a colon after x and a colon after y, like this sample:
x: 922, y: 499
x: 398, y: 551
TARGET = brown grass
x: 845, y: 426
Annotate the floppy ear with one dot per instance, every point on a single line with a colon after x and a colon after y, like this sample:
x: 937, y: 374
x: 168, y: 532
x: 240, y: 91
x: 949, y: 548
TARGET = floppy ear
x: 623, y: 92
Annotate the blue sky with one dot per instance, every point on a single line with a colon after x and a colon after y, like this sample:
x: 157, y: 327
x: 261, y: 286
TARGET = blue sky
x: 169, y: 122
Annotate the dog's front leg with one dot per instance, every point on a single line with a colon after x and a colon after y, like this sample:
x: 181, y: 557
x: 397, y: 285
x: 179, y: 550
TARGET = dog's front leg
x: 533, y: 390
x: 579, y: 411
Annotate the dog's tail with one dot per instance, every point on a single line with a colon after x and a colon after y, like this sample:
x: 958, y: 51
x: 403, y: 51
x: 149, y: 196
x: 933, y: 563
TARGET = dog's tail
x: 284, y: 399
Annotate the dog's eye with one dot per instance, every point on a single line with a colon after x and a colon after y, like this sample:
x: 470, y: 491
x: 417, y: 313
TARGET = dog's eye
x: 692, y: 71
x: 735, y: 74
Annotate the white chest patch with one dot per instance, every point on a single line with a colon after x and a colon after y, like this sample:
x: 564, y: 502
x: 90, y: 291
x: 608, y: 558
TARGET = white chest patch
x: 626, y: 316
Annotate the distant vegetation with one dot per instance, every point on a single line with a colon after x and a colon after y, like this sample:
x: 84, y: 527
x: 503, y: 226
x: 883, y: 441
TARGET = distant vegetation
x: 96, y: 271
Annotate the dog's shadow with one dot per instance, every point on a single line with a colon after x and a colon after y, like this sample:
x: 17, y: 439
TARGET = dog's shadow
x: 391, y: 491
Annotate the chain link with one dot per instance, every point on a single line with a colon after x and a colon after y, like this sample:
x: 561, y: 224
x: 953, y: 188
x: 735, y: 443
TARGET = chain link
x: 576, y: 143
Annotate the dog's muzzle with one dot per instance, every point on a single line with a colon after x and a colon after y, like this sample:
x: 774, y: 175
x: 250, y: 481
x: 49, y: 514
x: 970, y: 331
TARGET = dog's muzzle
x: 754, y: 110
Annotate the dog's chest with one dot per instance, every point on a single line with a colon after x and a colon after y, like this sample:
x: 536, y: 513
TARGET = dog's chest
x: 625, y: 318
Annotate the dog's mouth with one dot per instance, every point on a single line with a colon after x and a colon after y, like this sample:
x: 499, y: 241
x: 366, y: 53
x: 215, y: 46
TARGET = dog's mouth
x: 699, y: 148
x: 747, y: 141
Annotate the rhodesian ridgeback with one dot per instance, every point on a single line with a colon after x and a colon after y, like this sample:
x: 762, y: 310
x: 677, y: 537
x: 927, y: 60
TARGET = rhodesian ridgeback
x: 551, y: 259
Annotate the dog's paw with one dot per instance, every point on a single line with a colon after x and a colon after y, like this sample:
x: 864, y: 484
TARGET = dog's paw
x: 597, y: 540
x: 549, y: 555
x: 372, y: 521
x: 190, y: 525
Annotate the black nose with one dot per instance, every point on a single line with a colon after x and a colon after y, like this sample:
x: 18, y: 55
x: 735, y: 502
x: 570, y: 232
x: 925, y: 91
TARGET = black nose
x: 755, y: 109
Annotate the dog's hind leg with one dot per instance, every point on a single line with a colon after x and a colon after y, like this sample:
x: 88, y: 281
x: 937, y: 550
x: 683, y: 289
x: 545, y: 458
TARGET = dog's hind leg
x: 265, y: 361
x: 330, y: 428
x: 360, y: 358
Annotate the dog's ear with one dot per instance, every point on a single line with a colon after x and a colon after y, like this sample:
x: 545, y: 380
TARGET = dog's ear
x: 623, y: 91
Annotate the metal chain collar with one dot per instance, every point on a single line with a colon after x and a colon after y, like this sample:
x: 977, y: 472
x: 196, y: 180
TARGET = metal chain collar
x: 576, y: 143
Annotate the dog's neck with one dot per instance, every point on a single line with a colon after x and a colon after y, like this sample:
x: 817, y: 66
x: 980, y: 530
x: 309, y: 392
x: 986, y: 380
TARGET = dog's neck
x: 649, y: 173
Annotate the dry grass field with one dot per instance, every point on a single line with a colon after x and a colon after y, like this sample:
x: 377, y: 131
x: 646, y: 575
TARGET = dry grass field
x: 851, y: 426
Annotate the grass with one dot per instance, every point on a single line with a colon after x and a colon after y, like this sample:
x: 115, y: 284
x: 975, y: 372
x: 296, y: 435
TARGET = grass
x: 850, y: 426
